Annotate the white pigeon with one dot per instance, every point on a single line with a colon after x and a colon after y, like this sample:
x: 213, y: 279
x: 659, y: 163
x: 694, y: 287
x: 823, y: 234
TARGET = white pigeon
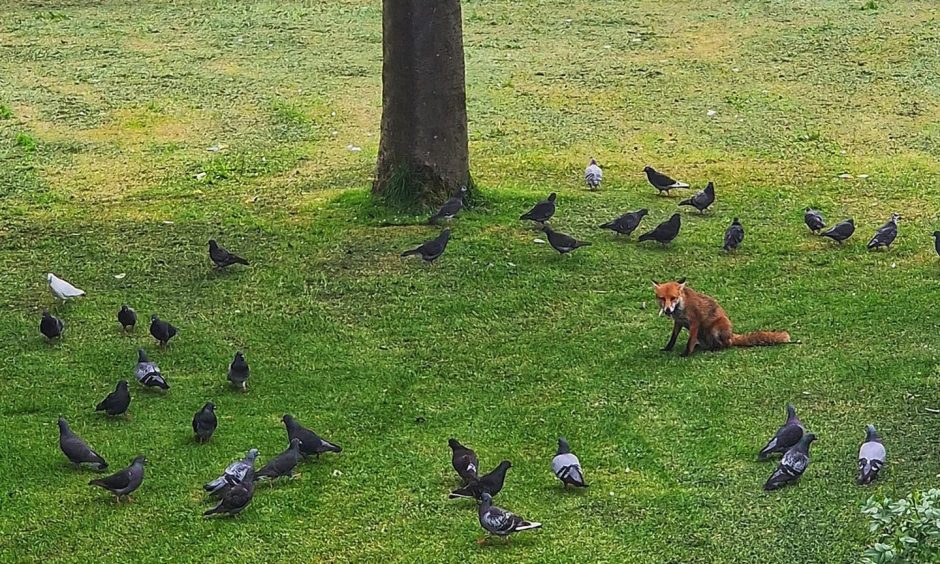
x: 593, y: 175
x: 567, y: 467
x: 62, y: 289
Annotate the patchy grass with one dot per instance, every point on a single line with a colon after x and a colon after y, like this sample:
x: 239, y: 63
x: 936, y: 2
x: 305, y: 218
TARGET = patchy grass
x: 128, y: 138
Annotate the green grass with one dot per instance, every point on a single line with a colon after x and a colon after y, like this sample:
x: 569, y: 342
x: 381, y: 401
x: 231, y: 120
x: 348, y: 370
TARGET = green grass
x: 107, y: 115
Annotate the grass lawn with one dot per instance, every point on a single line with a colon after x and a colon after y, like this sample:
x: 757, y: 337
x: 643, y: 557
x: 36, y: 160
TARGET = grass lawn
x: 106, y: 115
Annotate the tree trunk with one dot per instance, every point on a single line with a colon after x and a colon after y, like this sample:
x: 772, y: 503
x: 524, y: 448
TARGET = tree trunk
x: 423, y: 156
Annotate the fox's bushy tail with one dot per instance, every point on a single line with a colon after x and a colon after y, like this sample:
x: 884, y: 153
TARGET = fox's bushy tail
x: 760, y: 339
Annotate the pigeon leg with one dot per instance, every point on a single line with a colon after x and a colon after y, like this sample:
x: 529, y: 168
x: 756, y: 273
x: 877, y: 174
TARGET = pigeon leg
x: 481, y: 541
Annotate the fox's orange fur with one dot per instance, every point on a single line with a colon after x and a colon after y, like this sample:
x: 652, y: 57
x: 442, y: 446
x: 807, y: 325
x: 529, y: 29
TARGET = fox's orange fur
x: 708, y: 324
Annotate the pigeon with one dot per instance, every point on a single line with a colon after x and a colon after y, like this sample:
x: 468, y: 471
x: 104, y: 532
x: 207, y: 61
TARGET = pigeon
x: 282, y: 464
x: 124, y: 482
x: 814, y: 220
x: 76, y: 450
x: 205, y: 422
x: 310, y: 443
x: 236, y: 498
x: 238, y: 371
x: 885, y: 234
x: 50, y: 326
x: 431, y: 250
x: 464, y: 461
x: 561, y: 242
x: 567, y: 467
x: 127, y: 317
x: 117, y: 401
x: 871, y: 456
x: 786, y: 436
x: 222, y: 257
x: 161, y: 330
x: 627, y: 223
x: 61, y: 289
x: 499, y: 522
x: 792, y: 465
x: 542, y: 211
x: 662, y: 182
x: 490, y: 483
x: 663, y: 233
x: 148, y: 373
x: 593, y: 175
x: 701, y: 200
x: 841, y: 231
x: 936, y: 241
x: 234, y: 474
x: 451, y: 207
x: 734, y: 235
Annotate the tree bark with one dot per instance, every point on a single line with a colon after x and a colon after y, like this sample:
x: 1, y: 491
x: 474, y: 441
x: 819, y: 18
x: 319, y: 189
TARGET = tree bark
x: 423, y: 155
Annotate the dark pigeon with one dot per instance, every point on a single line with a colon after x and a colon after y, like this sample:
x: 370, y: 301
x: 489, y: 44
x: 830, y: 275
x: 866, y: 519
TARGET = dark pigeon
x: 561, y: 242
x: 117, y: 401
x: 734, y: 235
x: 127, y: 318
x: 50, y: 326
x: 841, y: 231
x: 451, y: 207
x: 567, y: 467
x: 464, y: 461
x: 814, y: 220
x: 792, y: 465
x: 936, y: 242
x: 431, y: 250
x: 233, y: 475
x: 205, y: 422
x: 283, y: 464
x: 76, y: 450
x: 627, y: 223
x: 238, y: 371
x: 491, y: 483
x: 148, y: 373
x: 871, y: 456
x: 124, y: 482
x: 786, y: 436
x: 236, y: 498
x: 662, y: 182
x: 161, y: 330
x: 702, y: 200
x: 886, y: 234
x: 542, y: 211
x: 222, y: 257
x: 499, y: 522
x: 663, y: 233
x: 310, y: 442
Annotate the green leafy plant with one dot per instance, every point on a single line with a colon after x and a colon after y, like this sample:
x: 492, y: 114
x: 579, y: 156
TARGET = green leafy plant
x: 908, y: 529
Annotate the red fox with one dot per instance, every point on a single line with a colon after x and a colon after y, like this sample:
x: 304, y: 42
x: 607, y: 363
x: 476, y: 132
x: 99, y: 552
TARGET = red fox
x: 708, y: 324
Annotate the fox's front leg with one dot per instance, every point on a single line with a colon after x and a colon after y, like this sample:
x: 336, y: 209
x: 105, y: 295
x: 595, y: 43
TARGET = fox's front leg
x: 693, y: 340
x: 675, y: 335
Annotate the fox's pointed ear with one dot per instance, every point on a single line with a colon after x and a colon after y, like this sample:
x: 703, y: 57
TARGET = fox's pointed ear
x: 681, y: 280
x: 655, y: 283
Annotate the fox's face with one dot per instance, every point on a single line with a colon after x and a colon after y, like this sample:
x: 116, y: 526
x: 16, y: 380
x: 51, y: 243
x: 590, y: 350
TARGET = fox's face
x: 669, y: 295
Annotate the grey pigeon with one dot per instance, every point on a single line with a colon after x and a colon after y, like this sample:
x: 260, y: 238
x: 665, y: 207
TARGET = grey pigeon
x: 161, y: 330
x: 464, y: 461
x: 871, y: 456
x: 61, y: 289
x: 221, y: 257
x: 662, y: 182
x: 76, y: 450
x: 282, y: 464
x: 127, y: 317
x: 238, y: 371
x: 627, y: 223
x: 593, y: 175
x: 451, y: 207
x: 886, y: 234
x: 542, y: 211
x: 431, y: 250
x: 205, y: 422
x: 310, y: 442
x: 734, y: 235
x: 792, y: 465
x: 663, y: 233
x: 117, y: 401
x: 841, y: 231
x: 562, y: 243
x: 787, y: 435
x: 50, y: 326
x: 567, y: 467
x: 124, y: 482
x: 814, y: 220
x: 491, y: 483
x: 236, y: 498
x: 701, y: 200
x: 498, y: 521
x: 234, y: 474
x: 148, y: 373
